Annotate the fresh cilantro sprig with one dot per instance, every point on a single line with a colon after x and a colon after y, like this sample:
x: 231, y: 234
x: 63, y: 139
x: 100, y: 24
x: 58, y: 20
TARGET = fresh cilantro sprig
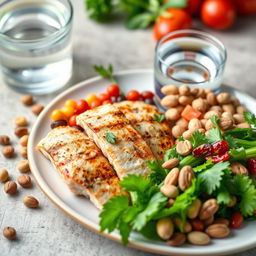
x: 111, y: 137
x: 106, y: 73
x: 215, y: 133
x: 250, y: 118
x: 159, y: 118
x: 158, y: 173
x: 198, y: 139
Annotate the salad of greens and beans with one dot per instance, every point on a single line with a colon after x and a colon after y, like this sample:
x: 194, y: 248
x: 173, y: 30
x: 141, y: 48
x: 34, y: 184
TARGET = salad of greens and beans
x: 204, y: 187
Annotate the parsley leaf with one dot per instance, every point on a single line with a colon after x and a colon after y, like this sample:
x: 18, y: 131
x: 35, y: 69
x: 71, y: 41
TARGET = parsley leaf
x: 158, y: 173
x: 231, y: 141
x: 211, y: 178
x: 215, y: 133
x: 111, y: 137
x: 198, y: 139
x: 208, y: 164
x: 250, y: 118
x: 106, y: 73
x: 159, y: 118
x: 223, y: 195
x: 171, y: 153
x: 247, y: 191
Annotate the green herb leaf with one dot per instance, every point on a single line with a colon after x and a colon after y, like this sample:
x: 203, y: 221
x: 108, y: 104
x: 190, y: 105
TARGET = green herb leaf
x: 215, y: 134
x: 231, y: 141
x: 125, y: 230
x: 158, y: 173
x: 250, y: 118
x: 106, y: 73
x: 238, y: 153
x: 211, y: 178
x: 207, y: 165
x: 172, y: 153
x: 176, y: 4
x: 111, y: 137
x: 247, y: 191
x: 159, y: 118
x: 142, y: 20
x: 149, y: 231
x: 198, y: 139
x: 223, y: 195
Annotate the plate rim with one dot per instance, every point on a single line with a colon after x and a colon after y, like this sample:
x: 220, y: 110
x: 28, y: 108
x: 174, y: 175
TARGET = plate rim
x: 68, y: 211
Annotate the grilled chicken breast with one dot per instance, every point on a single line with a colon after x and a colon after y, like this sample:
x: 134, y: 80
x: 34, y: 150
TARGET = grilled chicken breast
x: 81, y: 164
x: 129, y: 153
x: 141, y: 115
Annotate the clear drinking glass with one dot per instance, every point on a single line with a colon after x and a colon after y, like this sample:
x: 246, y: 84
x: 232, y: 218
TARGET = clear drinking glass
x: 189, y: 57
x: 35, y: 44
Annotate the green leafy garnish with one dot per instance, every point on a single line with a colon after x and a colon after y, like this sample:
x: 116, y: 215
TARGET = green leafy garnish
x: 172, y: 153
x: 106, y: 73
x: 223, y: 195
x: 211, y: 178
x: 111, y: 137
x: 238, y: 153
x: 215, y: 133
x: 207, y: 165
x: 247, y: 192
x: 250, y: 118
x: 158, y: 173
x: 159, y: 118
x: 198, y: 139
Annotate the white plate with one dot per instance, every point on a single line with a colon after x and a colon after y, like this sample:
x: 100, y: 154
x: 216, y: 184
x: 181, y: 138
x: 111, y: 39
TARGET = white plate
x: 83, y: 211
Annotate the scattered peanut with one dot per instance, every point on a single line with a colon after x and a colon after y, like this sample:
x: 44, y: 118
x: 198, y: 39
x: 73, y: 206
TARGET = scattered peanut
x: 198, y: 238
x: 211, y: 113
x: 164, y: 228
x: 240, y: 109
x: 229, y: 108
x: 171, y: 163
x: 170, y: 101
x: 194, y: 124
x: 21, y: 131
x: 184, y: 148
x: 30, y: 202
x: 27, y: 99
x: 238, y: 168
x: 221, y: 221
x: 243, y: 125
x: 24, y: 152
x: 177, y: 239
x: 186, y: 228
x: 217, y: 231
x: 9, y: 233
x: 172, y: 177
x: 8, y: 151
x: 182, y: 123
x: 223, y: 98
x: 187, y: 134
x: 24, y: 140
x: 208, y: 209
x: 194, y: 208
x: 208, y: 221
x: 10, y: 187
x: 184, y: 90
x: 37, y: 109
x: 226, y: 123
x: 23, y: 166
x: 4, y: 175
x: 24, y: 180
x: 209, y: 125
x: 185, y: 177
x: 170, y: 191
x: 199, y: 104
x: 172, y: 114
x: 170, y: 90
x: 239, y: 118
x: 177, y: 131
x: 4, y: 140
x: 20, y: 121
x: 211, y: 99
x: 185, y: 100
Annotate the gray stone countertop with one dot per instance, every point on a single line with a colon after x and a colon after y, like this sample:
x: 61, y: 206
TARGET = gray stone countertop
x: 48, y: 231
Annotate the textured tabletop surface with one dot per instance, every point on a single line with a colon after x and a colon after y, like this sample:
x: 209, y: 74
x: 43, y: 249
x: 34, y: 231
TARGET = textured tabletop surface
x: 48, y: 231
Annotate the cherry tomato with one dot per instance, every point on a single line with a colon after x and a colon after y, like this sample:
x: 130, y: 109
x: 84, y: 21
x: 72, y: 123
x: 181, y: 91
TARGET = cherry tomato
x: 103, y: 96
x: 193, y: 6
x: 147, y: 95
x: 90, y: 98
x: 171, y: 20
x: 72, y: 121
x: 236, y: 220
x: 218, y: 14
x: 70, y: 103
x: 95, y: 103
x: 81, y: 106
x: 113, y: 90
x: 58, y: 115
x: 68, y: 111
x: 106, y: 102
x: 133, y: 95
x: 246, y: 7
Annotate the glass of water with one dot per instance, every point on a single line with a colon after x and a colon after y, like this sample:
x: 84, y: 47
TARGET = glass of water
x: 189, y: 57
x: 35, y: 44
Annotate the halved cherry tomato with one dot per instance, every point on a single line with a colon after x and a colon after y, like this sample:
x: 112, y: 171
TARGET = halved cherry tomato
x: 106, y: 102
x: 113, y: 90
x: 72, y: 120
x: 133, y: 95
x: 172, y: 19
x: 95, y: 103
x: 81, y: 106
x: 237, y: 220
x: 218, y: 14
x: 189, y: 113
x: 103, y: 96
x: 147, y: 95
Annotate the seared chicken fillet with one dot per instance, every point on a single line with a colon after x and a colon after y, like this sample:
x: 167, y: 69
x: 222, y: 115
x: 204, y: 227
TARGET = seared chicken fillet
x: 141, y: 115
x: 129, y: 153
x: 81, y: 164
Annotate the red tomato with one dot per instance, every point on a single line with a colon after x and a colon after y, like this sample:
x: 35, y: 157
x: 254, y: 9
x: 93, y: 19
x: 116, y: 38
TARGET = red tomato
x: 147, y: 95
x: 218, y: 14
x: 193, y: 6
x: 236, y: 220
x: 81, y: 106
x: 103, y: 96
x: 172, y: 19
x: 106, y: 102
x: 113, y: 90
x: 95, y: 103
x: 133, y: 95
x: 72, y: 121
x: 246, y: 7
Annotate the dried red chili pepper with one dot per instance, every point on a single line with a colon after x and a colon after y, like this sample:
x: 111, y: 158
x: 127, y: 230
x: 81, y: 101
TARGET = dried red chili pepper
x: 219, y: 158
x: 205, y: 149
x: 220, y: 147
x: 251, y: 163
